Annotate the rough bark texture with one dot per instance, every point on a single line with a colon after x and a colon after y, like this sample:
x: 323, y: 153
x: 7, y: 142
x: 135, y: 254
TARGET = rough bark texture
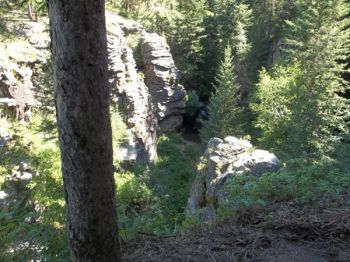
x: 79, y: 54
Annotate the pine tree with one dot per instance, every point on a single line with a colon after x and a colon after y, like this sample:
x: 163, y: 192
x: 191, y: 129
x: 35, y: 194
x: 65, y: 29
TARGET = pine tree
x: 226, y: 116
x: 229, y: 22
x: 186, y: 39
x: 311, y: 113
x: 234, y: 20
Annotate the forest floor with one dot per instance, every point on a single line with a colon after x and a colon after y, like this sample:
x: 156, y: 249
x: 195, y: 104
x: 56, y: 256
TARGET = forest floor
x: 278, y: 233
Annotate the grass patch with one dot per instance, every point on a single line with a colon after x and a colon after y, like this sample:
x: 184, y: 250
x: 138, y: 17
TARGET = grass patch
x: 160, y: 191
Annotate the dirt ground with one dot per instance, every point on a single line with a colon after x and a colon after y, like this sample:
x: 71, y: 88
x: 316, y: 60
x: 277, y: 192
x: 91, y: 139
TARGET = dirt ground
x: 278, y: 233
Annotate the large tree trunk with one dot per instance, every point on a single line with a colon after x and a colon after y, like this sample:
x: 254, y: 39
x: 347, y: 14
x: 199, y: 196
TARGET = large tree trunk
x: 79, y: 56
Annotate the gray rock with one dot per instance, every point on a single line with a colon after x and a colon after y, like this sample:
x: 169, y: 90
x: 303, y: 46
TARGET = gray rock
x: 18, y: 181
x: 153, y: 101
x: 162, y: 78
x: 224, y: 159
x: 4, y: 202
x: 131, y: 92
x: 5, y: 137
x: 19, y: 61
x: 25, y: 166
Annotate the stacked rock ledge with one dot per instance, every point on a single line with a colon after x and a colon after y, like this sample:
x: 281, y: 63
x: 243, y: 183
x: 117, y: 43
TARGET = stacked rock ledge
x: 152, y: 99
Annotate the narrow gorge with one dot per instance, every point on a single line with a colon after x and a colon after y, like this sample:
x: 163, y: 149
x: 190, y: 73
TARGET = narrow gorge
x: 144, y: 81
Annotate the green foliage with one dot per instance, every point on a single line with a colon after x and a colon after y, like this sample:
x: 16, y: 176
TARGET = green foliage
x: 119, y: 132
x: 229, y: 22
x: 156, y: 15
x: 301, y: 182
x: 268, y: 27
x: 148, y: 200
x: 34, y: 224
x: 299, y: 108
x: 39, y: 232
x: 192, y: 104
x: 233, y: 19
x: 134, y: 42
x: 186, y: 39
x: 133, y: 193
x: 37, y: 7
x: 226, y: 115
x: 283, y: 107
x: 152, y: 200
x: 43, y: 83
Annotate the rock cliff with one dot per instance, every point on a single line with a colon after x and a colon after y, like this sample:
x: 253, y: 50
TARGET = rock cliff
x: 224, y: 159
x: 130, y: 91
x: 162, y: 79
x: 20, y: 60
x: 148, y: 92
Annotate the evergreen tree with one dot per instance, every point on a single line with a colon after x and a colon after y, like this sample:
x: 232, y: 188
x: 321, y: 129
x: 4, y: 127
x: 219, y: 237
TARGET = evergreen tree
x: 230, y: 22
x: 300, y: 110
x: 226, y: 116
x: 267, y: 31
x: 186, y: 39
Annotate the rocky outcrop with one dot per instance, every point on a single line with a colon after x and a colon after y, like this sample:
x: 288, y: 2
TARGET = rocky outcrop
x: 130, y: 91
x: 224, y: 159
x: 18, y: 63
x: 151, y: 98
x: 149, y: 94
x: 162, y: 79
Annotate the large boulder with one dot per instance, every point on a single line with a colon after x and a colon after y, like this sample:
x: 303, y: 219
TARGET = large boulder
x: 224, y: 159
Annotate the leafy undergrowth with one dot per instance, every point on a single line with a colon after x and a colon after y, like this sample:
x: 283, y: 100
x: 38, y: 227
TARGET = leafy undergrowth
x: 153, y: 200
x: 33, y: 225
x: 149, y: 201
x: 300, y: 182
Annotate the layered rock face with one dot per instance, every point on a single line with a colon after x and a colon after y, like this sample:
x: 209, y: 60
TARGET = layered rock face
x: 19, y: 61
x: 224, y: 159
x: 152, y: 99
x: 162, y: 79
x: 133, y: 96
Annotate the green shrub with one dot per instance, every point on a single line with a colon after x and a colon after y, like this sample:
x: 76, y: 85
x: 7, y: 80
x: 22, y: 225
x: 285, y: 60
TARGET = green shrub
x: 133, y: 194
x: 301, y: 182
x: 34, y: 224
x: 149, y: 200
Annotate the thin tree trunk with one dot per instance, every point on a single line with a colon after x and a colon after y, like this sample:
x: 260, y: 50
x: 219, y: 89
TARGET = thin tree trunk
x: 79, y: 56
x: 30, y: 12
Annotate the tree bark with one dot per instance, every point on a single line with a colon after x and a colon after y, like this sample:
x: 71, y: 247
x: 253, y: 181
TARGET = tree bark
x: 79, y: 57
